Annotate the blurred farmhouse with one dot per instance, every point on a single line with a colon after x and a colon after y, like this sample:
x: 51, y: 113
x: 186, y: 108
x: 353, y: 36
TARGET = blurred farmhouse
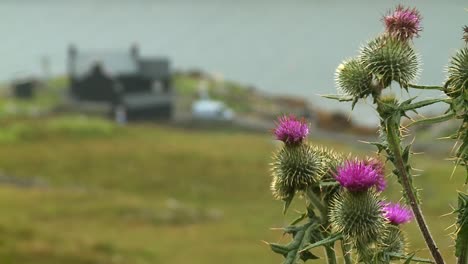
x: 125, y: 86
x: 139, y: 86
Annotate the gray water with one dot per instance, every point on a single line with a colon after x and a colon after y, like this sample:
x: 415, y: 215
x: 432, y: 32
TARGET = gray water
x: 282, y: 47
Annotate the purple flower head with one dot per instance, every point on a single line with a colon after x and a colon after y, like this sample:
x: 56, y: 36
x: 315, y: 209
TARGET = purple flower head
x: 403, y: 23
x: 396, y: 213
x: 379, y: 168
x: 356, y: 176
x: 290, y: 130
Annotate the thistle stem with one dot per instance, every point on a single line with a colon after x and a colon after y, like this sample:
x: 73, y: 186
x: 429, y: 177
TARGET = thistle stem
x: 331, y: 257
x: 463, y: 259
x: 393, y: 138
x: 317, y: 203
x: 346, y: 252
x: 426, y: 87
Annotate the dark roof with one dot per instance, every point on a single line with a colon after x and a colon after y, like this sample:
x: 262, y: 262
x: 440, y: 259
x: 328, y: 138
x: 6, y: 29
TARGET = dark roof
x: 112, y: 63
x: 155, y: 68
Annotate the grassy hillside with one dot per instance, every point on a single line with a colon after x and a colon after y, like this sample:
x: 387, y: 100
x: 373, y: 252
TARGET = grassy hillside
x: 155, y: 194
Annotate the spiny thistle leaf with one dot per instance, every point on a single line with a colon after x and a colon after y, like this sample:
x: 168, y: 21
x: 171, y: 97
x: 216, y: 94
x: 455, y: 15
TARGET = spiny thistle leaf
x: 324, y: 242
x: 353, y: 79
x: 461, y: 242
x: 410, y: 257
x: 294, y: 251
x: 389, y: 59
x: 339, y: 98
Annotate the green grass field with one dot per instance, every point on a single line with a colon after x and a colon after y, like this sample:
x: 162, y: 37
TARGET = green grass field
x: 158, y: 194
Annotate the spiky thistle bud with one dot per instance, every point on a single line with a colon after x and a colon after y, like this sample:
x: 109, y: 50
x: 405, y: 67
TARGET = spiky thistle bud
x: 389, y: 59
x: 291, y: 130
x: 403, y: 23
x: 396, y: 214
x: 457, y: 81
x: 394, y: 242
x: 358, y: 176
x: 353, y: 79
x: 280, y: 190
x: 358, y: 216
x: 330, y: 160
x: 294, y: 168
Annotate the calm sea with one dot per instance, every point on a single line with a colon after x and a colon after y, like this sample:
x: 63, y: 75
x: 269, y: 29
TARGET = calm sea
x: 284, y: 47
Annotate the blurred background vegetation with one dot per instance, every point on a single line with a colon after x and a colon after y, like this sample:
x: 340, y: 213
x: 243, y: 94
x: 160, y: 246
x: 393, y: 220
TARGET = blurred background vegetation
x: 83, y: 189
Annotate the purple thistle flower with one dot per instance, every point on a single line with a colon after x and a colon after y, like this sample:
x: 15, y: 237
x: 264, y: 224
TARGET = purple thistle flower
x: 396, y: 213
x: 403, y: 23
x: 379, y: 168
x: 290, y: 130
x: 359, y: 176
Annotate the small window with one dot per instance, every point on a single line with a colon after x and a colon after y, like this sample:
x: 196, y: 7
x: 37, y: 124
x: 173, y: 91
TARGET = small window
x: 157, y: 87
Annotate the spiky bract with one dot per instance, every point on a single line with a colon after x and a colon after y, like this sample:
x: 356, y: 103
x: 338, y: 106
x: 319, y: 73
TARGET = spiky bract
x: 280, y: 190
x: 295, y: 168
x: 465, y: 34
x: 353, y: 78
x: 358, y: 215
x: 389, y: 59
x: 457, y: 81
x: 403, y: 23
x: 330, y: 161
x: 394, y: 242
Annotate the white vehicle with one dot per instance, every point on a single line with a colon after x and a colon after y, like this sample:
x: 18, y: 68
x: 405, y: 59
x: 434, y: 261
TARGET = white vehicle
x: 207, y: 109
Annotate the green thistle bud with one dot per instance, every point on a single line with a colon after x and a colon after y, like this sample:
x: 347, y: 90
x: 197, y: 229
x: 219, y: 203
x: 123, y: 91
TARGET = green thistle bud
x: 387, y: 105
x: 330, y: 161
x: 280, y: 190
x: 358, y: 215
x: 354, y: 79
x: 394, y: 241
x: 294, y: 168
x: 389, y: 59
x: 457, y: 81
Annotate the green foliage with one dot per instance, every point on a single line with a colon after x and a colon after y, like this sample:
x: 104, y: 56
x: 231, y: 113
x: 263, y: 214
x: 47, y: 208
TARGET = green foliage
x: 73, y: 126
x: 296, y: 249
x: 389, y: 59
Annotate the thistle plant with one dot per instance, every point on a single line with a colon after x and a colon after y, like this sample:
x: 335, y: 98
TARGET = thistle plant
x: 342, y: 193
